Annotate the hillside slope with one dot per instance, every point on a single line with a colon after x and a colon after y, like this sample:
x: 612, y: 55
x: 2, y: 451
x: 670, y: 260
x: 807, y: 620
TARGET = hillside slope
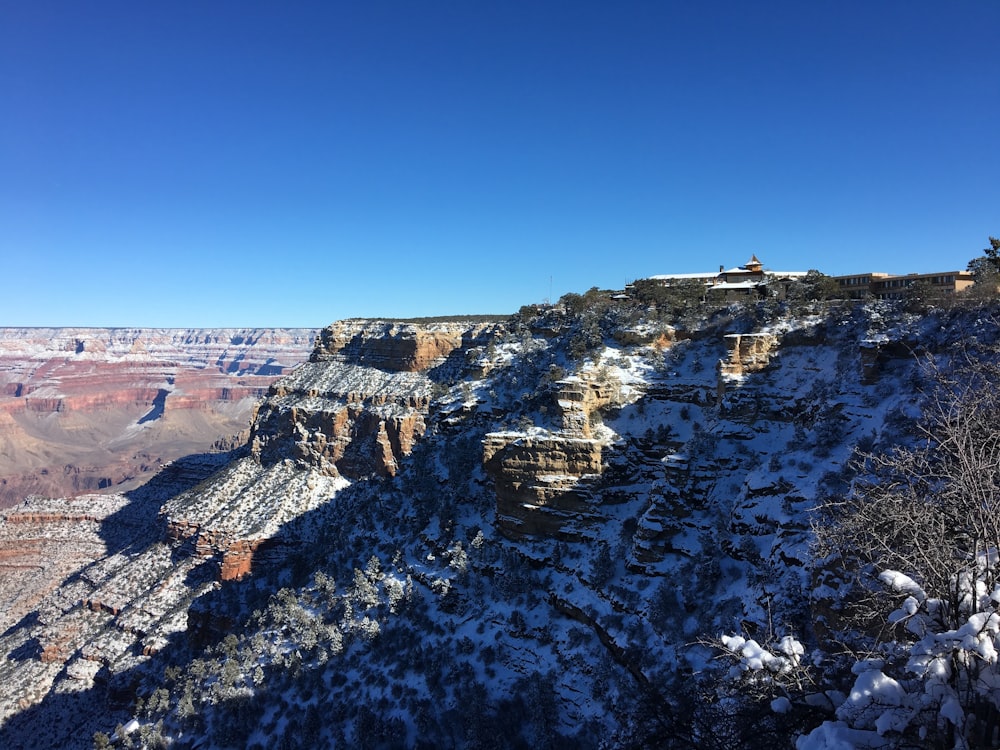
x: 526, y: 534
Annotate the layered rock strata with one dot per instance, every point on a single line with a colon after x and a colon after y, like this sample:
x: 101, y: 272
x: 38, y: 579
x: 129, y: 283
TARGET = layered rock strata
x: 399, y: 346
x: 90, y: 587
x: 342, y: 418
x: 83, y: 409
x: 93, y: 586
x: 747, y: 352
x: 538, y: 482
x: 86, y: 620
x: 356, y: 408
x: 539, y: 478
x: 234, y: 520
x: 352, y: 412
x: 582, y: 396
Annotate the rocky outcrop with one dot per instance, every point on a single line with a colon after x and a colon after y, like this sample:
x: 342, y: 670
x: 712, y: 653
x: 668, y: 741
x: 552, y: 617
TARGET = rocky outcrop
x: 670, y: 519
x: 41, y: 542
x: 98, y: 583
x: 235, y: 519
x: 747, y: 352
x: 398, y: 346
x: 354, y: 411
x: 342, y: 419
x: 674, y: 515
x: 538, y: 476
x: 538, y: 482
x: 580, y: 397
x: 357, y: 407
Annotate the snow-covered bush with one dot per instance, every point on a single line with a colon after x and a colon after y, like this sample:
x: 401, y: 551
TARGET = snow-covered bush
x: 931, y: 508
x: 927, y: 685
x: 906, y: 578
x: 775, y: 669
x: 925, y: 520
x: 936, y: 684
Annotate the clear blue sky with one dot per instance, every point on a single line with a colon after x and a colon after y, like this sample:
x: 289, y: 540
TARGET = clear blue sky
x: 250, y: 163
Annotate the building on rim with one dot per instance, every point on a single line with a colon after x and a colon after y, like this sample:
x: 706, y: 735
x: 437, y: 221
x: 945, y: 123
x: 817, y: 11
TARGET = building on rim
x: 751, y: 280
x: 890, y: 286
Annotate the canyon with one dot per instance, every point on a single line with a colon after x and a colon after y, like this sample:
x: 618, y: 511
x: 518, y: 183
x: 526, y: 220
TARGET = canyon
x: 95, y: 585
x: 89, y: 409
x: 471, y: 513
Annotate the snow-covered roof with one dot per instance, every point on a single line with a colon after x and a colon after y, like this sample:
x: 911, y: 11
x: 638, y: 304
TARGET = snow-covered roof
x: 682, y: 276
x: 738, y: 270
x: 783, y: 274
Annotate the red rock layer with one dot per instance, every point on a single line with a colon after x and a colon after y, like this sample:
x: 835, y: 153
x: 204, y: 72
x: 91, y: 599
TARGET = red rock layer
x: 92, y: 409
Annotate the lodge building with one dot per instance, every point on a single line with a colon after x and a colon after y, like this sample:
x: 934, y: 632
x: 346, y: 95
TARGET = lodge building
x: 889, y: 286
x: 752, y: 280
x: 741, y: 282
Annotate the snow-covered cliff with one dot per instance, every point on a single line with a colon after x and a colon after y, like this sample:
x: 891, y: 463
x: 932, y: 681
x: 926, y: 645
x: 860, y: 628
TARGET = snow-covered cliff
x: 527, y: 534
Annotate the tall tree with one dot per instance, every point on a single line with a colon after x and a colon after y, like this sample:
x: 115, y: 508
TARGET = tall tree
x: 986, y: 268
x: 993, y: 252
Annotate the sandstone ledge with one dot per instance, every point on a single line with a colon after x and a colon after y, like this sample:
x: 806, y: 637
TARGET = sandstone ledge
x: 536, y: 480
x: 399, y: 346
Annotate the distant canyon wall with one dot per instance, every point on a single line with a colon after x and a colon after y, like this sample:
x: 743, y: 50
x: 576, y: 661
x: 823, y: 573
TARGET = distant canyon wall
x: 84, y: 409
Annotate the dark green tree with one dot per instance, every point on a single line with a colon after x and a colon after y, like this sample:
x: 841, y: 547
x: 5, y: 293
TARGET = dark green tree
x: 993, y: 252
x: 671, y: 300
x: 986, y: 269
x: 814, y: 286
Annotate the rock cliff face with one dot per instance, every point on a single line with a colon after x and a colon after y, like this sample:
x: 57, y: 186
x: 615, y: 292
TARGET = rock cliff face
x: 139, y: 560
x: 83, y: 409
x: 89, y: 586
x: 233, y: 520
x: 353, y: 411
x: 342, y: 418
x: 539, y: 484
x: 748, y: 352
x: 356, y: 408
x: 540, y: 479
x: 397, y: 347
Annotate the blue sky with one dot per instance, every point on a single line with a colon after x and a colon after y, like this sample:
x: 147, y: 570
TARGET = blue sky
x: 268, y: 164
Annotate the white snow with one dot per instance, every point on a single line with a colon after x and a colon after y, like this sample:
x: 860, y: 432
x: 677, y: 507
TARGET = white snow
x: 902, y: 583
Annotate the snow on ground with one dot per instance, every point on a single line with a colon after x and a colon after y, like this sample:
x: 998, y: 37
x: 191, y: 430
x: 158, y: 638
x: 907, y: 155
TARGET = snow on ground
x: 724, y: 487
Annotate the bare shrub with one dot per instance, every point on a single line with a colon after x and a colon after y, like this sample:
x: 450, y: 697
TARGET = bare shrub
x: 931, y: 508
